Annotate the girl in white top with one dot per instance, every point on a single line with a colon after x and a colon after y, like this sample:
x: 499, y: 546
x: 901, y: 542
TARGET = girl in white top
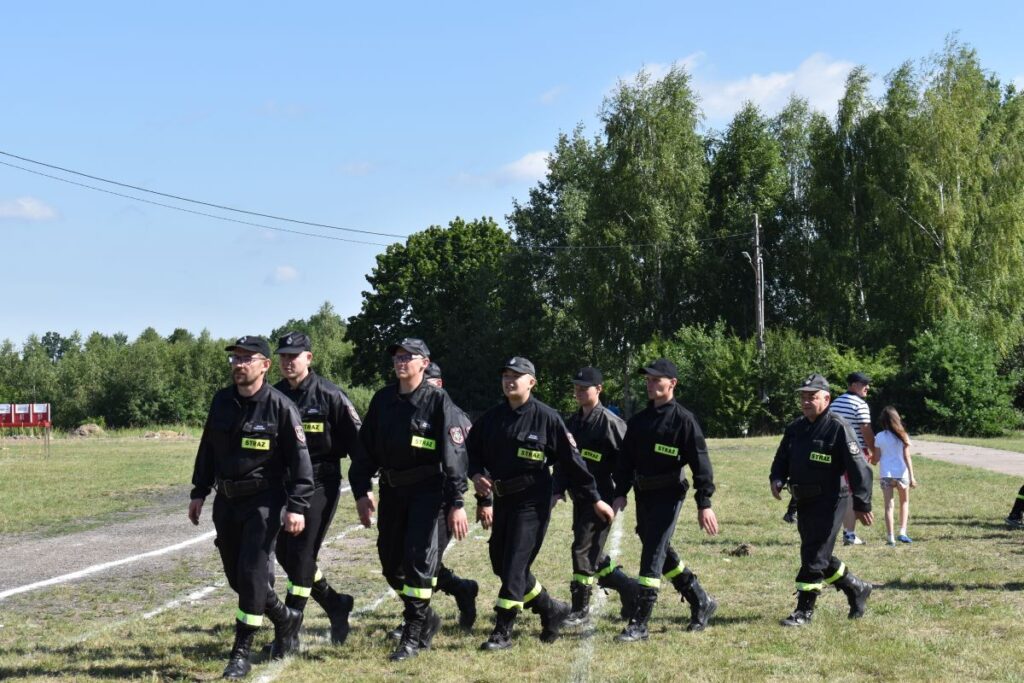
x: 896, y: 471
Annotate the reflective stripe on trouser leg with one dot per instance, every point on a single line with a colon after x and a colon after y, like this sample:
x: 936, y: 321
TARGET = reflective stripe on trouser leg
x: 249, y: 619
x: 648, y: 582
x: 1020, y: 496
x: 805, y: 587
x: 605, y: 571
x: 299, y: 591
x: 583, y: 578
x: 676, y: 571
x: 433, y: 582
x: 413, y: 592
x: 838, y: 575
x: 318, y: 576
x: 503, y: 603
x: 534, y: 592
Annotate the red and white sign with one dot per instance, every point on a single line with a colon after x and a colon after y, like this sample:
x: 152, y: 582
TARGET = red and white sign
x: 24, y: 415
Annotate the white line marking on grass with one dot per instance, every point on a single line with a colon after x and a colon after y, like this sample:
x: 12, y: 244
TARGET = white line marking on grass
x: 96, y: 568
x: 581, y: 667
x: 194, y: 596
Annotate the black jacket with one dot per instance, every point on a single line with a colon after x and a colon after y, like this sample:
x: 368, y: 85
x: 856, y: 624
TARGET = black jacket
x: 506, y: 443
x: 405, y: 431
x: 329, y: 419
x: 660, y: 440
x: 259, y: 437
x: 819, y: 453
x: 599, y: 437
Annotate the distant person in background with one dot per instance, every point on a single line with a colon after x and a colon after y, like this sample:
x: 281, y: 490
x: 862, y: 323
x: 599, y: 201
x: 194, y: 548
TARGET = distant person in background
x: 853, y: 408
x: 1015, y: 520
x: 895, y: 471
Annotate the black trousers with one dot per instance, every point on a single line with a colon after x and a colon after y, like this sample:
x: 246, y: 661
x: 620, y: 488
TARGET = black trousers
x: 656, y: 515
x: 520, y: 522
x: 298, y: 554
x: 819, y: 520
x: 407, y: 538
x: 589, y: 535
x: 246, y: 529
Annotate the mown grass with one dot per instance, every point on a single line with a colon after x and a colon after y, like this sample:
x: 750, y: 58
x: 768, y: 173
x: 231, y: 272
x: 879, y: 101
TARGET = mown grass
x: 1011, y: 442
x: 947, y: 607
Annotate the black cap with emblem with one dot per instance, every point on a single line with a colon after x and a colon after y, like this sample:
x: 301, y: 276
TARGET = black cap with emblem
x: 814, y: 382
x: 521, y: 365
x: 412, y: 345
x: 588, y: 377
x: 662, y: 367
x: 858, y: 377
x: 294, y: 342
x: 250, y: 342
x: 433, y: 371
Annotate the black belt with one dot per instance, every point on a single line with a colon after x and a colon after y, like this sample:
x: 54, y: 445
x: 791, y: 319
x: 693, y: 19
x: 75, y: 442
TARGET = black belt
x: 506, y: 487
x: 410, y: 476
x: 657, y: 481
x: 242, y: 487
x: 805, y: 491
x: 326, y: 468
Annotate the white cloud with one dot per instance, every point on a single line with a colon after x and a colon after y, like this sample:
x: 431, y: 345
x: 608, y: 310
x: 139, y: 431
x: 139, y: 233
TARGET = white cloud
x: 28, y: 209
x: 282, y: 275
x: 552, y: 94
x: 529, y: 168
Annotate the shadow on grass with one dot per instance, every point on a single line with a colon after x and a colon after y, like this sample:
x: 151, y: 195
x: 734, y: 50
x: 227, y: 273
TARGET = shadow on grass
x: 949, y: 586
x: 962, y: 521
x: 98, y: 662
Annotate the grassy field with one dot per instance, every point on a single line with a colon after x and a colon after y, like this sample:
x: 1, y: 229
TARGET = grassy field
x: 1011, y: 442
x: 947, y: 607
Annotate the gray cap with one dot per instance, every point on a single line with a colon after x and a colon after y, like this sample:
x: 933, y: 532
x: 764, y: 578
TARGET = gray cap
x: 412, y: 345
x: 814, y: 382
x: 521, y: 365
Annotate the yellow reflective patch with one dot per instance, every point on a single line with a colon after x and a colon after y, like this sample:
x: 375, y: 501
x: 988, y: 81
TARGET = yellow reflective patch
x: 256, y: 444
x: 666, y: 450
x: 821, y: 457
x: 591, y: 455
x: 423, y: 442
x: 313, y: 427
x: 527, y: 454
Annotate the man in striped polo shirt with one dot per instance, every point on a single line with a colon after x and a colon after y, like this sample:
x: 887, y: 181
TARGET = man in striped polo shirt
x: 852, y: 407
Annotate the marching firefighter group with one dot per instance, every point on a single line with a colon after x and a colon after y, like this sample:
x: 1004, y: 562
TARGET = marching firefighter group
x: 273, y: 453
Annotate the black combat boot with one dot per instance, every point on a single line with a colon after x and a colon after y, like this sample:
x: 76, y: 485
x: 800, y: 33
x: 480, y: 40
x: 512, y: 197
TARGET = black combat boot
x: 702, y: 605
x: 627, y: 587
x: 857, y: 593
x: 501, y: 636
x: 580, y: 593
x: 416, y: 614
x: 338, y: 606
x: 238, y: 662
x: 804, y: 611
x: 636, y: 629
x: 464, y: 591
x: 553, y: 614
x: 287, y: 622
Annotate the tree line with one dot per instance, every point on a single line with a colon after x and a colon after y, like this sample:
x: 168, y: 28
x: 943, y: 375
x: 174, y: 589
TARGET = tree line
x: 893, y: 238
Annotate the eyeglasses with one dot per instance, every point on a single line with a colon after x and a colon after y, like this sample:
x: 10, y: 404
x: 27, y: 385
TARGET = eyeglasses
x: 404, y: 357
x: 243, y: 360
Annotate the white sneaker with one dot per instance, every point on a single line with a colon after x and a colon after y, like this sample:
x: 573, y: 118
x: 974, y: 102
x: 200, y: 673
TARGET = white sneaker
x: 852, y: 539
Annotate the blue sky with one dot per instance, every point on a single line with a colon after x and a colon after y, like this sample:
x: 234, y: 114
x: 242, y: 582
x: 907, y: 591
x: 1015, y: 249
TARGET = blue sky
x: 385, y: 118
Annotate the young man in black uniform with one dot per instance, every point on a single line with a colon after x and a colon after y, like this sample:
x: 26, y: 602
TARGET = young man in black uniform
x: 816, y: 450
x: 598, y: 434
x: 660, y: 440
x: 253, y: 450
x: 331, y: 425
x: 1015, y: 520
x: 511, y: 448
x: 413, y: 436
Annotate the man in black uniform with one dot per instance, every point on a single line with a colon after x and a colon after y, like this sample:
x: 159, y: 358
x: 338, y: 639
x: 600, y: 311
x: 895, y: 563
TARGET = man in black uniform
x: 412, y: 435
x: 511, y: 448
x: 331, y: 425
x: 598, y: 434
x: 253, y: 450
x: 1015, y: 520
x: 660, y: 440
x: 815, y: 451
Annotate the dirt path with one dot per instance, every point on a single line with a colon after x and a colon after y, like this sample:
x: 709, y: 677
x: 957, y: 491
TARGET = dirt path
x: 1006, y: 462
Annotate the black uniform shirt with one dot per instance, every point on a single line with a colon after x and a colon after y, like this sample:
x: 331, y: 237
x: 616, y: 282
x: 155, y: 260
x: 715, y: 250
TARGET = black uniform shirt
x: 599, y: 437
x: 404, y: 431
x: 329, y: 419
x: 255, y: 437
x: 662, y: 439
x: 507, y: 443
x: 819, y: 453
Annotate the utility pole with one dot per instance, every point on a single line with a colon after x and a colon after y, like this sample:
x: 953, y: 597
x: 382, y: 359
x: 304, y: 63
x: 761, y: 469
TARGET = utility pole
x: 757, y: 264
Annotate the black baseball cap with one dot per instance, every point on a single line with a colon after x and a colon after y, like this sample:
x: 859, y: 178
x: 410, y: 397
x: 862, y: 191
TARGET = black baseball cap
x: 433, y: 371
x: 412, y: 345
x: 662, y: 367
x: 294, y: 342
x: 588, y: 377
x: 814, y: 382
x: 858, y: 377
x: 251, y: 342
x: 521, y: 365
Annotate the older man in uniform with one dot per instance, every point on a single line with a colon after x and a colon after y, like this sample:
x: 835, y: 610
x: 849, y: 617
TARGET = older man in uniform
x: 253, y: 450
x: 413, y: 436
x: 660, y: 441
x: 331, y: 425
x: 599, y: 434
x: 816, y: 450
x: 511, y: 449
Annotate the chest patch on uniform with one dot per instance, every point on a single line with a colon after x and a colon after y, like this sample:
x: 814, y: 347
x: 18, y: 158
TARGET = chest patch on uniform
x: 853, y: 446
x: 457, y: 436
x: 424, y: 443
x: 300, y: 435
x: 257, y: 427
x: 591, y: 455
x: 527, y: 454
x: 666, y: 450
x: 821, y: 457
x: 313, y: 427
x: 256, y: 444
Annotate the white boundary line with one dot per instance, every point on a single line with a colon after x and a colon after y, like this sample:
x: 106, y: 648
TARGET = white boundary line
x: 581, y: 667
